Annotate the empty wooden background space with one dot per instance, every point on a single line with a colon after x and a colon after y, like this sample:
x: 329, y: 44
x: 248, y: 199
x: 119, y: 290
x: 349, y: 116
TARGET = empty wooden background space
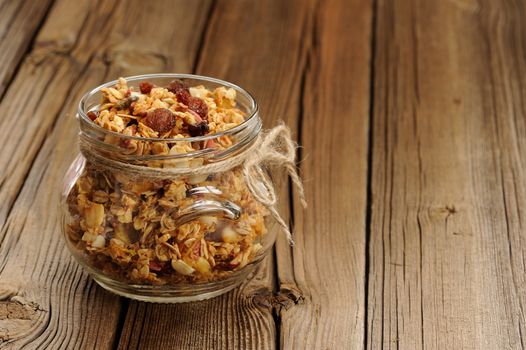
x: 412, y: 124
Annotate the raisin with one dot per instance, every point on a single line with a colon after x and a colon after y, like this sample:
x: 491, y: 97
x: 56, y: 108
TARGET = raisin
x: 145, y: 87
x: 160, y: 120
x: 198, y: 129
x: 181, y: 91
x: 199, y: 106
x: 93, y: 115
x: 183, y: 96
x: 177, y: 85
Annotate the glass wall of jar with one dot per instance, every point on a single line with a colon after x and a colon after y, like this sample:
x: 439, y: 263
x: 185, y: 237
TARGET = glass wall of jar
x: 145, y: 224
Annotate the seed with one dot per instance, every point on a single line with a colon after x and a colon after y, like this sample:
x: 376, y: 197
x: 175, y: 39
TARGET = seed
x: 160, y: 120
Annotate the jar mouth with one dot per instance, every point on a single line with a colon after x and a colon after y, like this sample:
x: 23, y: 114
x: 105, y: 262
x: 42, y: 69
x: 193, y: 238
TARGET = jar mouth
x: 251, y: 112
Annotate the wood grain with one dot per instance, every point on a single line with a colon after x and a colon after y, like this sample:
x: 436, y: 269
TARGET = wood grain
x: 328, y: 257
x: 261, y: 47
x: 413, y: 130
x: 19, y: 23
x: 48, y: 300
x: 448, y: 173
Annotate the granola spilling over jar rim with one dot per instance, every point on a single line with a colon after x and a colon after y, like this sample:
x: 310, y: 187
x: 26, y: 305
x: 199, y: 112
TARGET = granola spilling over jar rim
x: 159, y: 230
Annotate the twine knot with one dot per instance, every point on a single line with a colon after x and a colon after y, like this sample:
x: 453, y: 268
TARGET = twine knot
x: 275, y: 148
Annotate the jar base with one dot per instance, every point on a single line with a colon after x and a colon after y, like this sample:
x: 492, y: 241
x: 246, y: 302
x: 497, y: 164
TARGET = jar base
x: 161, y: 294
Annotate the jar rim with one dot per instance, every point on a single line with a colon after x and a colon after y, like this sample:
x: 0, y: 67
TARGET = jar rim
x: 82, y: 114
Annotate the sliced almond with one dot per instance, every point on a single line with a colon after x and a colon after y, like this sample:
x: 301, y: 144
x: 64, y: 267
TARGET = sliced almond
x: 183, y: 268
x: 94, y: 214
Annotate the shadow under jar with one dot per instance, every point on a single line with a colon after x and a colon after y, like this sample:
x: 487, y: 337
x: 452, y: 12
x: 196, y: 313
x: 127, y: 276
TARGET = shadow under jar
x: 145, y: 231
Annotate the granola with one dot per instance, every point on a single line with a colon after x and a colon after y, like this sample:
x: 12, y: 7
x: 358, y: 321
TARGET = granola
x: 130, y: 228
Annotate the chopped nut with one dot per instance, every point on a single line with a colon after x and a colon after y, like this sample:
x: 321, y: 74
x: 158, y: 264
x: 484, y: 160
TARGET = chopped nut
x: 99, y: 242
x: 202, y: 265
x: 182, y: 267
x: 229, y: 235
x: 94, y: 214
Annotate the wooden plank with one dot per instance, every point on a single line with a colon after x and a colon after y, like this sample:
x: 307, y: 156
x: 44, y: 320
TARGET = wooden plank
x: 447, y: 240
x: 262, y: 47
x: 19, y: 21
x: 47, y: 300
x: 329, y: 256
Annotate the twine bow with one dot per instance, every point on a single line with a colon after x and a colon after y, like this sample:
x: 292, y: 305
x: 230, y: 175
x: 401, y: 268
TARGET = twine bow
x: 273, y: 148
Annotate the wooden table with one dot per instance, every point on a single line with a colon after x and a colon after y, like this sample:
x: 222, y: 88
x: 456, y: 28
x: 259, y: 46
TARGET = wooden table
x: 413, y: 127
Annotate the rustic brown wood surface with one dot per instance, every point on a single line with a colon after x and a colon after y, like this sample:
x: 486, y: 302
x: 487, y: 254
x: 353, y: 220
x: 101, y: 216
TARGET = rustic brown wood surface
x: 413, y: 136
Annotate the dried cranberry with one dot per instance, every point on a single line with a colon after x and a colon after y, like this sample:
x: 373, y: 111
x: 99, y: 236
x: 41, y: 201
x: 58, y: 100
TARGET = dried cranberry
x: 156, y: 266
x: 199, y: 106
x: 145, y: 87
x: 198, y: 129
x: 93, y: 115
x: 160, y: 120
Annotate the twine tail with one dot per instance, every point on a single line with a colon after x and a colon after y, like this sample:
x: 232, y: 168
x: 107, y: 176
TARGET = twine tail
x: 282, y: 223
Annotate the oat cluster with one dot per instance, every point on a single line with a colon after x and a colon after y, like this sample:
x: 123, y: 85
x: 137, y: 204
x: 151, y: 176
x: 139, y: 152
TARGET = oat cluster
x: 129, y: 228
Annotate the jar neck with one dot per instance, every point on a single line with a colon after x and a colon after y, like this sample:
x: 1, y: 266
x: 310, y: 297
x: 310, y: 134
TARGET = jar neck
x: 160, y: 153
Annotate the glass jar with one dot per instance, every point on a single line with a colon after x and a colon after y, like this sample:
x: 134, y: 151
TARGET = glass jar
x: 146, y: 226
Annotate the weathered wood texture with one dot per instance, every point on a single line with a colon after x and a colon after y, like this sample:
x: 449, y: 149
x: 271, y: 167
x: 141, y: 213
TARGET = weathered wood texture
x: 258, y: 45
x: 413, y: 129
x: 448, y: 176
x: 20, y: 22
x: 329, y: 255
x: 48, y: 301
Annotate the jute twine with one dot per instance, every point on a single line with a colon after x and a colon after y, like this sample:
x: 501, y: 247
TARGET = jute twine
x: 272, y: 148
